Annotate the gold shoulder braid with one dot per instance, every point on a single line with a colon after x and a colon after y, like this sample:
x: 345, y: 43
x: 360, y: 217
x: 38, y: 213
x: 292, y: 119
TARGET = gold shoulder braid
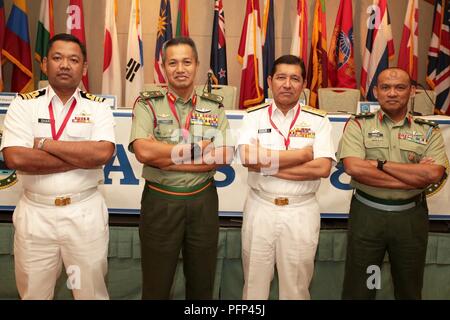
x: 32, y: 95
x: 91, y: 97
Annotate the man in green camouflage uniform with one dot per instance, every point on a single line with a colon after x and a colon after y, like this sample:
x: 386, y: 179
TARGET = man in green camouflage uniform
x: 179, y: 136
x: 392, y: 157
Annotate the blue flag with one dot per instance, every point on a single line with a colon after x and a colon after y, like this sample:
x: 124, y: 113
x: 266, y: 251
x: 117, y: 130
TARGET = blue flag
x: 218, y: 62
x: 268, y: 42
x: 163, y: 34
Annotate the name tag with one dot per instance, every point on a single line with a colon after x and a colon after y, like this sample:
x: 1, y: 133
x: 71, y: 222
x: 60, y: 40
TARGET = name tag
x: 43, y: 120
x: 269, y: 130
x: 165, y: 121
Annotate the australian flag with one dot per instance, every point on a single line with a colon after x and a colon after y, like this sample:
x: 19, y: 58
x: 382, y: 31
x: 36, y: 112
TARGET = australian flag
x: 163, y: 34
x: 218, y: 61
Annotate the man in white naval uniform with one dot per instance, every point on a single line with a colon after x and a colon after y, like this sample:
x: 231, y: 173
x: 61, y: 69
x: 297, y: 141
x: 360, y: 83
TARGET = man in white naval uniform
x: 57, y: 139
x: 287, y: 148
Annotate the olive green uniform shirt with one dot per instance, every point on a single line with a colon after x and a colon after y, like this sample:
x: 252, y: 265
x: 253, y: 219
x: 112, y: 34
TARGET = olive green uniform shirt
x: 376, y: 136
x: 208, y: 120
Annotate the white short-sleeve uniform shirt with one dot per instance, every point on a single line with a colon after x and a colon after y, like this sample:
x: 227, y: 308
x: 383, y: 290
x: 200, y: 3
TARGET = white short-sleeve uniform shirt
x: 309, y: 129
x: 28, y: 117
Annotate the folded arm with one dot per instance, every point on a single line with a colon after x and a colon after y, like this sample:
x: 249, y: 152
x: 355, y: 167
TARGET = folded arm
x: 212, y: 159
x: 34, y: 161
x: 364, y: 171
x: 256, y: 157
x: 418, y: 175
x: 80, y: 154
x: 311, y: 170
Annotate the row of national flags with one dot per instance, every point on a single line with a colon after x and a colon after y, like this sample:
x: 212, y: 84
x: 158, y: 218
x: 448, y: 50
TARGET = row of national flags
x: 334, y: 67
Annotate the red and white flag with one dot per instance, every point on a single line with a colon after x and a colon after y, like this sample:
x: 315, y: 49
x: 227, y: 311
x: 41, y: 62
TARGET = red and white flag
x: 379, y: 47
x: 299, y: 44
x: 112, y: 79
x: 409, y: 47
x: 250, y: 56
x: 75, y: 26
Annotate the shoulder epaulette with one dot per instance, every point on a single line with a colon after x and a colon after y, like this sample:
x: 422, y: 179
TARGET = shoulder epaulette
x: 32, y: 95
x: 152, y: 94
x: 258, y: 107
x: 427, y: 122
x: 212, y: 97
x: 314, y: 111
x: 91, y: 97
x: 364, y: 115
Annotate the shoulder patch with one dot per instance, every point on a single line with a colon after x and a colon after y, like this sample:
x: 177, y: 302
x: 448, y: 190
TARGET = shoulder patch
x: 364, y: 115
x: 258, y: 107
x: 91, y: 97
x: 314, y: 111
x: 212, y: 97
x: 152, y: 94
x: 427, y: 122
x: 32, y: 95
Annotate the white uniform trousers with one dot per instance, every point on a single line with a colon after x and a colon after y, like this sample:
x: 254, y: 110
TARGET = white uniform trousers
x: 48, y: 236
x: 285, y: 235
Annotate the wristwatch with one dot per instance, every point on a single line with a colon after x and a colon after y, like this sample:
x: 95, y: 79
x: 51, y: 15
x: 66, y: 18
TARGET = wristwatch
x: 380, y: 164
x: 196, y: 150
x: 40, y: 144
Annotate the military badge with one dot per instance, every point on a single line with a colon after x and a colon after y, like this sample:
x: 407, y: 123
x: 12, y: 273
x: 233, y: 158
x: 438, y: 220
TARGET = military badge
x: 83, y: 117
x: 302, y: 132
x: 202, y: 110
x: 203, y: 119
x: 375, y: 134
x: 414, y: 136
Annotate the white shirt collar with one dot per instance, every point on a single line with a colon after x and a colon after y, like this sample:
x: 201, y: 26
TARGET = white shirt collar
x: 276, y: 111
x: 52, y: 96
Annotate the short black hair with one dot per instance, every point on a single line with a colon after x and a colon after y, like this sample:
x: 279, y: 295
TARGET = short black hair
x: 292, y: 60
x: 178, y: 41
x: 69, y: 38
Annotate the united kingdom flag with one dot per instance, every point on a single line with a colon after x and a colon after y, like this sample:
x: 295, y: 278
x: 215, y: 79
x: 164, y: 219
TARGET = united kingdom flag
x: 218, y: 61
x: 438, y: 73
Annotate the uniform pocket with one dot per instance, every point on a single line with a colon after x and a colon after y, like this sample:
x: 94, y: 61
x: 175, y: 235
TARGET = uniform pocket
x: 80, y: 131
x: 299, y: 142
x: 412, y: 151
x: 376, y: 149
x: 41, y: 129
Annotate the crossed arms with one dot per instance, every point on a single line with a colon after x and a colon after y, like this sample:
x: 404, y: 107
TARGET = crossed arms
x: 170, y: 157
x: 296, y: 165
x: 395, y: 175
x: 58, y: 156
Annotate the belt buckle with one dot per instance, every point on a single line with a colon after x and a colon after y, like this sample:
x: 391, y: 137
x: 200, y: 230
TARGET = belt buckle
x: 281, y: 201
x: 62, y: 201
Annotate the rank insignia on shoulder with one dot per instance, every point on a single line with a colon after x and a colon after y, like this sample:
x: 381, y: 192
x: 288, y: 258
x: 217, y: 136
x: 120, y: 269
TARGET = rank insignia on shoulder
x: 258, y: 107
x: 364, y: 115
x: 314, y: 111
x: 32, y: 95
x: 91, y: 97
x: 427, y: 122
x: 212, y: 97
x: 152, y: 94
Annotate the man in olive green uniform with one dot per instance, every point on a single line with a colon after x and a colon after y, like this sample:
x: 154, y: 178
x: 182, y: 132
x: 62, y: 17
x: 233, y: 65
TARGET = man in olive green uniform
x: 392, y: 157
x: 179, y: 136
